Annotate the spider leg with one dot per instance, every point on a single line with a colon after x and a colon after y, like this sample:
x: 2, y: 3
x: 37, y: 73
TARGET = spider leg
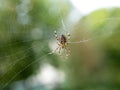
x: 67, y: 51
x: 68, y: 36
x: 56, y: 36
x: 59, y: 50
x: 55, y: 50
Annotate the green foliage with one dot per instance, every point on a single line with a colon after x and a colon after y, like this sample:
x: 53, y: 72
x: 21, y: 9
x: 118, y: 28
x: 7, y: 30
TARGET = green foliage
x: 95, y: 64
x: 25, y: 29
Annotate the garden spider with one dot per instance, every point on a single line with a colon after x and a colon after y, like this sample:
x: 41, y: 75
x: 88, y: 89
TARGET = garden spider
x: 62, y: 42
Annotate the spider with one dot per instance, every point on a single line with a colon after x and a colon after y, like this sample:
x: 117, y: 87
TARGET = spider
x: 62, y: 42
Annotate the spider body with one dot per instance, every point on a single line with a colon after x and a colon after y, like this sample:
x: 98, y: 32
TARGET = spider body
x: 62, y: 40
x: 62, y: 43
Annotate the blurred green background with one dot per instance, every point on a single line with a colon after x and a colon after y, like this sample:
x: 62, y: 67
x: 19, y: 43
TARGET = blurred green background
x: 27, y: 37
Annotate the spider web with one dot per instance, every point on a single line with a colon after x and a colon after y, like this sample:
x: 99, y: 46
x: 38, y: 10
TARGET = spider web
x: 28, y: 49
x: 41, y: 57
x: 37, y: 60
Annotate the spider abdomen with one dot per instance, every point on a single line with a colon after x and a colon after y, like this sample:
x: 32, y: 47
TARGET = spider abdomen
x: 62, y: 39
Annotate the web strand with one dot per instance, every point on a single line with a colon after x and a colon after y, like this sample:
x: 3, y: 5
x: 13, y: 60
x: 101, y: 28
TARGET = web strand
x: 24, y: 69
x: 10, y: 66
x: 82, y: 41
